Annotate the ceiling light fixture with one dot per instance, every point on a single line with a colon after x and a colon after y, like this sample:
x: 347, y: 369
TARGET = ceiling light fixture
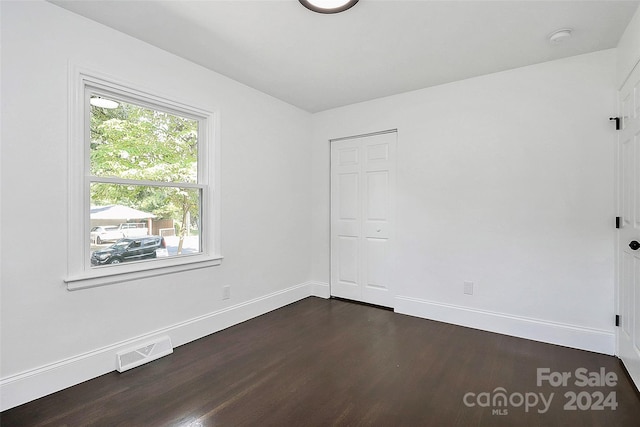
x: 96, y: 101
x: 559, y: 36
x: 328, y: 6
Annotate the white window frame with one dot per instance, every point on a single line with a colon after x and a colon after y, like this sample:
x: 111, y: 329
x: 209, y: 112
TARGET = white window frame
x: 80, y: 273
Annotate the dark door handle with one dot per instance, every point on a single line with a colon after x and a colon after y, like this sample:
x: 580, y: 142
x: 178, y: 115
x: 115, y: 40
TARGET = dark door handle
x: 634, y: 245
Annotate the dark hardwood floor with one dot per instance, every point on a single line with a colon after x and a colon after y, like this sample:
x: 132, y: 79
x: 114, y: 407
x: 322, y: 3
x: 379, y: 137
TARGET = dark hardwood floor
x: 328, y: 362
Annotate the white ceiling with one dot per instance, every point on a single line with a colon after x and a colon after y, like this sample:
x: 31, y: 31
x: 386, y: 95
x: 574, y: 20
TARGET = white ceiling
x: 375, y: 49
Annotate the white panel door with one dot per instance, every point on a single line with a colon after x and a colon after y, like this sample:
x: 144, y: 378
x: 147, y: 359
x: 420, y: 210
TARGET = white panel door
x: 362, y: 223
x: 628, y: 264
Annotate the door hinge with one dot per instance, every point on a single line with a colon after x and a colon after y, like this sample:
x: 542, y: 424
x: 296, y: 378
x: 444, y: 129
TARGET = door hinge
x: 617, y: 222
x: 617, y: 119
x: 617, y: 320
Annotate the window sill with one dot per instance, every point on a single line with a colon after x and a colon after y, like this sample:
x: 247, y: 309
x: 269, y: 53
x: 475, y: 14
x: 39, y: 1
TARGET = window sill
x: 109, y: 275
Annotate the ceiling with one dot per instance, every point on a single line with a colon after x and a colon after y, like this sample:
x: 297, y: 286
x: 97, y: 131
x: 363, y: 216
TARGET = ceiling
x: 377, y: 48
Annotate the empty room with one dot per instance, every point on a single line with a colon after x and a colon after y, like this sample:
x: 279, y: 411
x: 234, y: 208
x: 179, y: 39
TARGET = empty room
x: 320, y: 212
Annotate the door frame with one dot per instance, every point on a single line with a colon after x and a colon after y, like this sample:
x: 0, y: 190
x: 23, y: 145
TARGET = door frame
x: 618, y: 194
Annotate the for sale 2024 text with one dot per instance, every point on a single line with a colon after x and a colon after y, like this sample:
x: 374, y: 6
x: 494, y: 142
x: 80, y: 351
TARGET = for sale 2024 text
x: 582, y: 377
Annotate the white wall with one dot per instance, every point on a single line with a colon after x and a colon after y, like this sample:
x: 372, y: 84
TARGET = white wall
x: 628, y: 49
x: 265, y: 201
x: 504, y: 180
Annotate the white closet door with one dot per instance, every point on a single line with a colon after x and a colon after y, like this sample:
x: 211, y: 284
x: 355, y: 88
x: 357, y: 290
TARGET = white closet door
x: 362, y: 217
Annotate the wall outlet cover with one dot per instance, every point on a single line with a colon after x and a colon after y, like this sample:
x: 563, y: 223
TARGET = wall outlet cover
x: 468, y: 288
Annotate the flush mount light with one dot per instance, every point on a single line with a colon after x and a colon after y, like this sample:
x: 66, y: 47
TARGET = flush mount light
x: 97, y: 101
x: 559, y: 36
x: 328, y: 6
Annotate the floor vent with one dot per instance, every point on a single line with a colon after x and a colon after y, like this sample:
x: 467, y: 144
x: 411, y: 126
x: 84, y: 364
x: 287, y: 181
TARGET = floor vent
x: 144, y: 353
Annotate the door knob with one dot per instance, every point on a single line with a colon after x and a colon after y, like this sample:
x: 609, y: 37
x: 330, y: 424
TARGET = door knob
x: 634, y: 245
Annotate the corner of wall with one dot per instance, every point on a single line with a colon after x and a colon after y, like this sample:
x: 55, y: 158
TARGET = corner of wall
x: 628, y: 50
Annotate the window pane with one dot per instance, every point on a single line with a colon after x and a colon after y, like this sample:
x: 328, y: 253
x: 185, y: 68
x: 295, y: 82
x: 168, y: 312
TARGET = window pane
x: 134, y: 142
x: 138, y: 222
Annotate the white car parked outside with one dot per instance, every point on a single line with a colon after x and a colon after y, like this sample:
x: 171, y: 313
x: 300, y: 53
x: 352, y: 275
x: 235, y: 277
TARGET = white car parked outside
x: 105, y: 234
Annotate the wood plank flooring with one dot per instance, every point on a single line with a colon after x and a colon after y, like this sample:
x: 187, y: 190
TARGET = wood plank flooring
x: 329, y: 362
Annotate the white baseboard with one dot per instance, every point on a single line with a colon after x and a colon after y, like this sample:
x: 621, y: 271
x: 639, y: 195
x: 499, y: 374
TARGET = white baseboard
x: 320, y: 289
x: 596, y: 340
x: 35, y: 383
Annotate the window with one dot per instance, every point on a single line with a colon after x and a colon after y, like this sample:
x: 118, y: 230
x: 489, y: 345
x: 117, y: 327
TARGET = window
x: 142, y: 178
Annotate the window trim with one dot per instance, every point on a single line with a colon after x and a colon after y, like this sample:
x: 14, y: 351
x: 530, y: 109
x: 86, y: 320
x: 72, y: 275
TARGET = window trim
x: 80, y: 274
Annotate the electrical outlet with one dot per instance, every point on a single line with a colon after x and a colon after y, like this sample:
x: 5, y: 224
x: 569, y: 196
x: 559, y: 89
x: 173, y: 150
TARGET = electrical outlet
x: 468, y: 288
x: 226, y: 292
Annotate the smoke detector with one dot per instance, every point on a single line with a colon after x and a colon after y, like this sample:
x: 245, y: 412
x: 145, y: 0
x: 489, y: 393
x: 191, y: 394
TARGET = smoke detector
x: 560, y: 36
